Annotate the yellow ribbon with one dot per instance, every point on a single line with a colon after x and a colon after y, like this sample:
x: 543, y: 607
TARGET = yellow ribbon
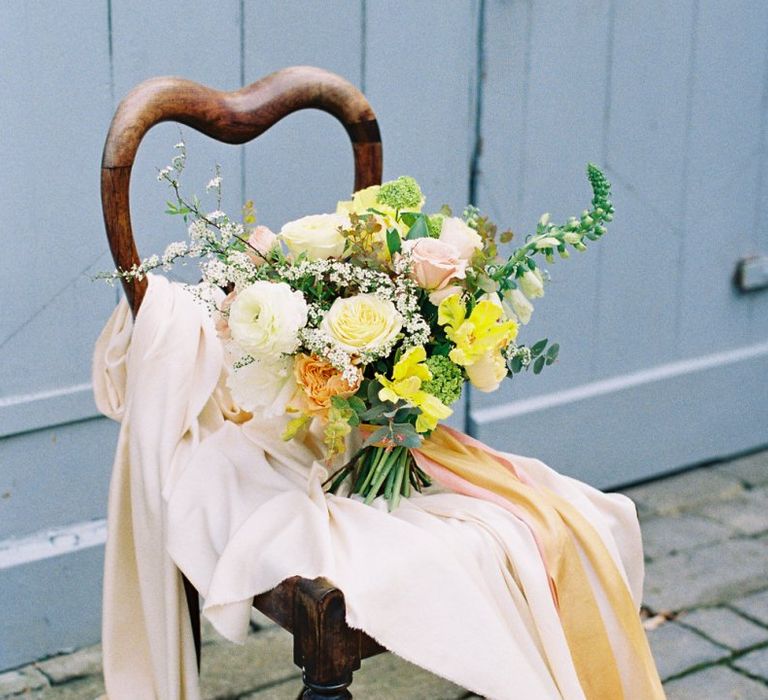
x: 558, y: 527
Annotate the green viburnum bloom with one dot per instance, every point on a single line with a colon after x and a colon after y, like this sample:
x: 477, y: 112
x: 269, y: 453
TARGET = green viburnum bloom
x: 447, y: 379
x: 403, y: 193
x: 435, y: 225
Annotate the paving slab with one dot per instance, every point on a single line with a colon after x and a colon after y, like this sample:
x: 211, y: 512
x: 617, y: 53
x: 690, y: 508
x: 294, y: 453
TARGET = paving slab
x: 708, y: 575
x: 387, y: 677
x: 79, y: 664
x: 80, y: 689
x: 751, y: 470
x: 747, y: 513
x: 20, y: 681
x: 754, y: 606
x: 684, y: 492
x: 266, y: 659
x: 755, y: 663
x: 383, y: 677
x: 670, y: 534
x: 725, y: 627
x: 677, y: 649
x: 716, y: 683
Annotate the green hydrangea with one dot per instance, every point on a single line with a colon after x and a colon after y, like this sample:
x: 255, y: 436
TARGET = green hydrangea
x: 447, y: 379
x: 435, y: 225
x: 403, y: 193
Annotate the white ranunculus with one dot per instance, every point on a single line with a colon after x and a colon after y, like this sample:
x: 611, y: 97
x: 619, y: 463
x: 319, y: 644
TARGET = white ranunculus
x: 520, y: 305
x: 266, y: 317
x: 532, y: 284
x: 362, y: 323
x: 487, y: 373
x: 318, y: 236
x: 265, y: 385
x: 461, y: 236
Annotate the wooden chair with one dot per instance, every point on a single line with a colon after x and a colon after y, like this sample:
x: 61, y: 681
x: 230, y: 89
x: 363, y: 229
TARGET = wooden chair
x: 325, y: 648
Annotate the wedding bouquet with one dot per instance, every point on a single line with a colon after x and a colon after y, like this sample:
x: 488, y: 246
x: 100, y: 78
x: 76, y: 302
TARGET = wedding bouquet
x: 371, y: 318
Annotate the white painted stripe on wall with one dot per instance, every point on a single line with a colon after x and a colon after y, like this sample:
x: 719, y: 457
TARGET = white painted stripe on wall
x: 52, y: 543
x: 21, y: 413
x: 625, y: 381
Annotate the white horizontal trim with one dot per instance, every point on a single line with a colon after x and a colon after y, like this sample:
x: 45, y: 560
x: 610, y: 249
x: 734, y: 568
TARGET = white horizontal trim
x: 24, y: 412
x: 52, y: 543
x: 620, y: 383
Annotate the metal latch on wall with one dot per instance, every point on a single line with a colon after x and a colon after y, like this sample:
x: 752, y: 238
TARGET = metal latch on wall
x: 752, y: 273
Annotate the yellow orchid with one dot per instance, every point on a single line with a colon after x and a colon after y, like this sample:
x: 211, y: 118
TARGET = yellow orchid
x: 408, y: 374
x: 477, y: 334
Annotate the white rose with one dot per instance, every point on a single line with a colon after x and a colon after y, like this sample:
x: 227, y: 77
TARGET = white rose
x: 461, y: 236
x: 521, y: 307
x: 532, y: 284
x: 318, y: 236
x: 265, y: 384
x: 487, y: 373
x: 266, y: 317
x: 362, y: 323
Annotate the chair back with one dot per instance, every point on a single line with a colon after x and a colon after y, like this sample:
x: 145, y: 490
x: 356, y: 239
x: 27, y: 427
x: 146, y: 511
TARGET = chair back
x: 232, y: 117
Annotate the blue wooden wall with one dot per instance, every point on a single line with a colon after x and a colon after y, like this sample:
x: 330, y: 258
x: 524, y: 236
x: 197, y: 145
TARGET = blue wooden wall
x: 662, y: 365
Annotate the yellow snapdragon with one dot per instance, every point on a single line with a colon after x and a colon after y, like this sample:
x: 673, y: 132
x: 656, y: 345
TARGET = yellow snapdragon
x: 408, y: 374
x: 475, y: 335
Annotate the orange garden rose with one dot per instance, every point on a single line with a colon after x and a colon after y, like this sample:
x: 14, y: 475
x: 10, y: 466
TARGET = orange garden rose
x: 320, y: 381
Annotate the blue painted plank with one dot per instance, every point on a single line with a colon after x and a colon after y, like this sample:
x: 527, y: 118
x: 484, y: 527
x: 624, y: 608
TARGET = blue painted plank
x: 56, y: 606
x: 726, y: 134
x: 198, y: 41
x: 646, y: 145
x: 422, y: 84
x: 54, y: 112
x: 542, y: 122
x: 641, y: 424
x: 56, y: 476
x: 303, y: 165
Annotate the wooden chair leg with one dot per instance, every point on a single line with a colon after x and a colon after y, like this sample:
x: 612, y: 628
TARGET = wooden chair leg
x: 324, y: 647
x: 193, y: 605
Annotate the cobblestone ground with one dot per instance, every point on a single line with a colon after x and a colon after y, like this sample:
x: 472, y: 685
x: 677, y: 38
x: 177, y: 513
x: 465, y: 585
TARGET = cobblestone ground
x: 706, y: 598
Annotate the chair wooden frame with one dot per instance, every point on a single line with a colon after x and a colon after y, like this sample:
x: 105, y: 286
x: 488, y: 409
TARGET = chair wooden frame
x: 326, y: 649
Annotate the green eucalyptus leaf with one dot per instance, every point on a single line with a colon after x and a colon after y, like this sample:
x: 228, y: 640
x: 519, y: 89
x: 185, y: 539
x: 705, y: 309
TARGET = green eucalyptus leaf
x: 419, y: 229
x: 377, y: 436
x: 356, y: 404
x: 552, y: 353
x: 393, y: 241
x: 538, y: 348
x: 409, y: 217
x: 539, y: 364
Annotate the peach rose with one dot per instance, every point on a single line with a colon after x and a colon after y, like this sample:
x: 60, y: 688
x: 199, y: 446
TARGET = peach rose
x: 434, y: 263
x: 320, y: 381
x: 263, y: 240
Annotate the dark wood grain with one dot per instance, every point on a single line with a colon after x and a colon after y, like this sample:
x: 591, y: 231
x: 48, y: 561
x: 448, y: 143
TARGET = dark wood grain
x: 232, y: 117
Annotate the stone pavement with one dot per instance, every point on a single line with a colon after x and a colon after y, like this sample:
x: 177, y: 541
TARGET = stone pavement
x: 706, y: 608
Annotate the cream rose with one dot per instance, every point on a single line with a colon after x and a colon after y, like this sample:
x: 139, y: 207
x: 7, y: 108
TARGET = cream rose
x: 434, y: 263
x: 265, y: 384
x: 362, y: 323
x: 265, y: 318
x: 486, y: 373
x: 318, y: 236
x: 460, y: 235
x: 262, y: 240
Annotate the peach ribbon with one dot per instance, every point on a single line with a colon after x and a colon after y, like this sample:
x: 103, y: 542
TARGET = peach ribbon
x: 467, y: 466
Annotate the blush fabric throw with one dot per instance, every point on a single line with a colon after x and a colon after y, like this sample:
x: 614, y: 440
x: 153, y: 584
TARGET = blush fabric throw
x: 508, y: 579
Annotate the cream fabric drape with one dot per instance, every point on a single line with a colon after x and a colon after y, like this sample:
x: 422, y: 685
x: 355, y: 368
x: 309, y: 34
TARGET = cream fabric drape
x: 452, y: 583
